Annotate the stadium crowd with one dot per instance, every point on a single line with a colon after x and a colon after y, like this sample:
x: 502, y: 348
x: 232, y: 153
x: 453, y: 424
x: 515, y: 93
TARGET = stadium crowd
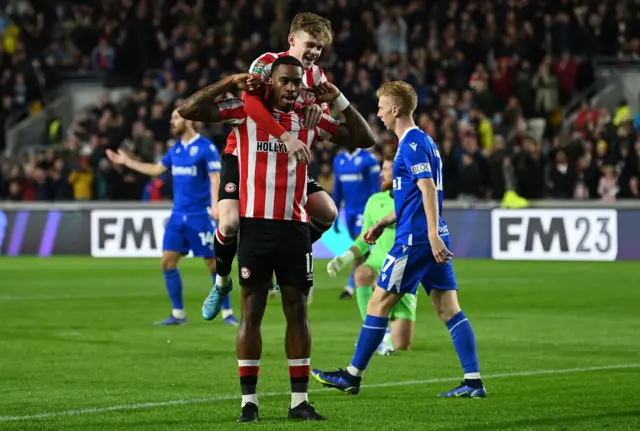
x: 491, y: 78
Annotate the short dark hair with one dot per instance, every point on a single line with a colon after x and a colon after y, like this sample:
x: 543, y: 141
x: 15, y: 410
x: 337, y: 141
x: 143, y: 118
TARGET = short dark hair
x: 286, y: 60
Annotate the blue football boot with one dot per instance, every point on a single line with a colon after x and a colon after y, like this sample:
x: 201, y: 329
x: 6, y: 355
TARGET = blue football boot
x: 340, y: 380
x: 213, y: 304
x: 465, y: 391
x: 171, y: 321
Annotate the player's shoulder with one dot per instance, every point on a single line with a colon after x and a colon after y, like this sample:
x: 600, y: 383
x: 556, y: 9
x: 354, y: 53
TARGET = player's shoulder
x: 319, y: 77
x: 264, y: 60
x: 341, y: 155
x: 205, y: 144
x: 414, y: 139
x: 369, y: 156
x: 415, y: 134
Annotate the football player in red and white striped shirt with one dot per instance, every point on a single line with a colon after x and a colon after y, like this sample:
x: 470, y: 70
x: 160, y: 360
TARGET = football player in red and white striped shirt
x: 274, y: 229
x: 309, y: 34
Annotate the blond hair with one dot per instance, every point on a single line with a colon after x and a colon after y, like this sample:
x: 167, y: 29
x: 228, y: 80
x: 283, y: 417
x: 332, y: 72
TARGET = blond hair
x: 316, y: 26
x: 400, y: 93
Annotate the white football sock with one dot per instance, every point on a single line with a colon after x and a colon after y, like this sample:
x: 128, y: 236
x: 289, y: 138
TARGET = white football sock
x: 223, y: 281
x: 298, y: 398
x: 252, y: 398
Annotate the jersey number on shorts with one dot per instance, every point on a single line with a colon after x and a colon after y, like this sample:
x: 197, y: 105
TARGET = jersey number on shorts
x: 359, y: 220
x: 206, y: 238
x: 388, y: 262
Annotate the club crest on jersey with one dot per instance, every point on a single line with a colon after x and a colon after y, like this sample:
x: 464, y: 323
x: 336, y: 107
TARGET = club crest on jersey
x: 193, y: 151
x: 272, y: 146
x: 245, y: 273
x: 229, y: 187
x: 257, y: 69
x: 357, y: 161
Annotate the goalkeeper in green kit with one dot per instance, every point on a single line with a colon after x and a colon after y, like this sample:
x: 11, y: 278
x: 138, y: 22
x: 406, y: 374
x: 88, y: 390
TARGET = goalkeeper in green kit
x: 402, y: 319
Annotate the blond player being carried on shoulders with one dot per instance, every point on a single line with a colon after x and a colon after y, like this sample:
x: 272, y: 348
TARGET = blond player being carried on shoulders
x: 309, y: 34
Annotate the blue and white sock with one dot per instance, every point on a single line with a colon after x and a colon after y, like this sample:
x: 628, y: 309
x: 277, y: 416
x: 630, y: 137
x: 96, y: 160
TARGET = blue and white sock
x: 371, y: 336
x: 351, y: 285
x: 173, y: 283
x: 464, y: 341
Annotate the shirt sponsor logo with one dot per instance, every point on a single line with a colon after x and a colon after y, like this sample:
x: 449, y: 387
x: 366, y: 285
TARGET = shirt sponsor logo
x: 271, y: 147
x: 184, y: 171
x: 421, y: 167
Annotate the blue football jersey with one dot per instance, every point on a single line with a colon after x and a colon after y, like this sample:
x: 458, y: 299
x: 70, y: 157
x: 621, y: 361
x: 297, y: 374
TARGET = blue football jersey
x: 356, y: 178
x: 417, y: 157
x: 190, y: 164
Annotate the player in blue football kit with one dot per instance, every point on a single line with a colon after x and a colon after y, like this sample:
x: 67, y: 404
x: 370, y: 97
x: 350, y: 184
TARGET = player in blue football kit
x: 357, y: 177
x: 194, y: 164
x: 420, y: 253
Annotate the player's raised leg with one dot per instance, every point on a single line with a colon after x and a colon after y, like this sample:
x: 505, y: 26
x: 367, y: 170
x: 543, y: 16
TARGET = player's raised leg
x: 448, y: 310
x: 322, y: 210
x: 249, y: 347
x: 225, y: 238
x: 173, y: 283
x: 227, y: 311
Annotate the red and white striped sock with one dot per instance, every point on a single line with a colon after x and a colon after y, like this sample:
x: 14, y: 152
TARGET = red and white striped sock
x: 299, y: 376
x: 249, y: 369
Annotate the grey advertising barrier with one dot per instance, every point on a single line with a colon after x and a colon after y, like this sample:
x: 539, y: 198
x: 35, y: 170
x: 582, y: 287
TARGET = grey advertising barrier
x: 549, y: 230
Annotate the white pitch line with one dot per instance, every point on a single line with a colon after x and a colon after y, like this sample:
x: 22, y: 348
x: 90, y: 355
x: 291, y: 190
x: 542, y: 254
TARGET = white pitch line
x: 39, y: 297
x: 95, y: 410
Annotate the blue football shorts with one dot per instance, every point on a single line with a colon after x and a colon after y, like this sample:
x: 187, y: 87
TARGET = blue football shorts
x: 408, y: 266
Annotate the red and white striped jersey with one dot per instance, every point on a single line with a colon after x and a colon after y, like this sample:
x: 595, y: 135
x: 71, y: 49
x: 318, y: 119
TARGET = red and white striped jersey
x: 261, y: 67
x: 272, y: 184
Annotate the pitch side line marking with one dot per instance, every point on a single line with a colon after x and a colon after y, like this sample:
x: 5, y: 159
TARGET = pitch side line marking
x: 95, y: 410
x: 160, y: 292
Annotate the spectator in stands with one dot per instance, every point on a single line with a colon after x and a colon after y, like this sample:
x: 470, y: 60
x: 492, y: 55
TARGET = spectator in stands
x: 81, y: 178
x: 54, y: 134
x: 545, y: 84
x: 561, y: 179
x: 326, y: 177
x: 488, y: 75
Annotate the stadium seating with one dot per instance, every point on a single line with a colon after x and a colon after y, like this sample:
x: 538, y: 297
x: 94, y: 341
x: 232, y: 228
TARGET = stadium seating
x: 491, y: 79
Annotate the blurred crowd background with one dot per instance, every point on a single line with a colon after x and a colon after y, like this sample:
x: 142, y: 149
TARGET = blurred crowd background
x: 492, y: 77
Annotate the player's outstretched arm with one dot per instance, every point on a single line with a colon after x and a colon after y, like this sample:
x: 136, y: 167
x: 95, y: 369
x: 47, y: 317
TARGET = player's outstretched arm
x: 201, y: 105
x: 356, y: 129
x: 122, y: 158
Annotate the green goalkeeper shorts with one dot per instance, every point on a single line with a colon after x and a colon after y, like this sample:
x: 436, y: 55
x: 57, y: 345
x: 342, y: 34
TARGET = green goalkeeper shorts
x: 406, y: 308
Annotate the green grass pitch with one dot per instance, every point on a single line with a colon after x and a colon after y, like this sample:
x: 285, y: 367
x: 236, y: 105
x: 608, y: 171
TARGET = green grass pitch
x: 559, y: 347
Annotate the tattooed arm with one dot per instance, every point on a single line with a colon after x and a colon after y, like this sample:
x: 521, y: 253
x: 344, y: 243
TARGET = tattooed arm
x: 201, y: 105
x: 356, y: 131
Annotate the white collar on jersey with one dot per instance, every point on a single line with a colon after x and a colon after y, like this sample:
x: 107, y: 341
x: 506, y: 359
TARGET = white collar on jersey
x: 407, y: 131
x: 191, y: 141
x: 355, y: 153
